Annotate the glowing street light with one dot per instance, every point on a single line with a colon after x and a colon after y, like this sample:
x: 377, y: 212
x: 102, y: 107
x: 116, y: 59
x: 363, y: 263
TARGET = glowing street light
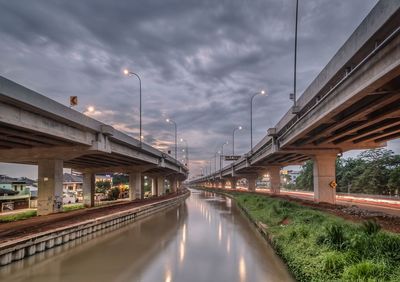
x: 168, y: 120
x: 129, y: 73
x: 263, y: 93
x: 222, y: 155
x: 186, y: 150
x: 90, y: 109
x: 233, y: 138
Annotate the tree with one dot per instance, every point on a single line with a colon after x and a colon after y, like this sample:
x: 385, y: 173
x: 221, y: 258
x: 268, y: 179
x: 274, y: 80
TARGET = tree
x: 375, y: 175
x: 394, y: 182
x: 120, y: 179
x: 305, y: 180
x: 102, y: 186
x: 113, y: 194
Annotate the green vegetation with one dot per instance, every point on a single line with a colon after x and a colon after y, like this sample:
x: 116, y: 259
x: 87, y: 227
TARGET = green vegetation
x: 17, y: 216
x: 372, y: 172
x: 67, y: 208
x: 103, y: 186
x: 321, y: 247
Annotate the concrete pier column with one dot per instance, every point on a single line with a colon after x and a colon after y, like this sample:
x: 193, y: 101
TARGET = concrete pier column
x: 135, y: 186
x: 251, y: 181
x: 174, y: 184
x: 275, y: 177
x: 154, y: 188
x: 223, y: 183
x: 160, y: 185
x: 324, y: 175
x: 89, y: 187
x: 50, y: 190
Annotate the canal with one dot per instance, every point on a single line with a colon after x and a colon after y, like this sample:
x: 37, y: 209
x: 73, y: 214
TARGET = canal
x: 204, y: 239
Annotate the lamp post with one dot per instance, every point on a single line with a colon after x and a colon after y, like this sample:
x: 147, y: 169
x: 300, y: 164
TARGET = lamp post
x: 295, y: 110
x: 222, y: 155
x: 186, y: 151
x: 129, y: 73
x: 233, y: 138
x: 262, y: 92
x: 176, y: 136
x: 215, y: 160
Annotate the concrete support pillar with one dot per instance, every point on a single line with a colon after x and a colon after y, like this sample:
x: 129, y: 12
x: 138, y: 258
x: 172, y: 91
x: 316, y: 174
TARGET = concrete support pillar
x: 324, y: 174
x: 160, y: 185
x: 275, y: 177
x: 251, y: 181
x: 89, y: 189
x: 50, y: 190
x: 223, y: 183
x: 154, y: 188
x: 173, y: 184
x: 135, y: 186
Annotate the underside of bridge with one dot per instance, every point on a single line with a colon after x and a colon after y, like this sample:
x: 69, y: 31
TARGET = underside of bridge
x: 367, y: 122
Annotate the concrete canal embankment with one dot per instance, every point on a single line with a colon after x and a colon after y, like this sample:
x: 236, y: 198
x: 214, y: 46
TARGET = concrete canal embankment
x: 24, y: 246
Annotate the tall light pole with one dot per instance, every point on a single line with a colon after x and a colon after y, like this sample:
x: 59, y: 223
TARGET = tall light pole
x: 215, y: 160
x: 233, y: 138
x: 129, y: 73
x: 222, y: 154
x: 262, y: 92
x: 186, y: 152
x: 176, y: 136
x: 293, y: 95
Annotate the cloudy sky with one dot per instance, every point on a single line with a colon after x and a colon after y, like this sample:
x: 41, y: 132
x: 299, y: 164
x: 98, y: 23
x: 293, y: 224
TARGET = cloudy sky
x: 199, y: 60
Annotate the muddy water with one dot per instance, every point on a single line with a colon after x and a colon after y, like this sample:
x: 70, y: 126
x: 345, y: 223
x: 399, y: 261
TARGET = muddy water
x: 205, y: 239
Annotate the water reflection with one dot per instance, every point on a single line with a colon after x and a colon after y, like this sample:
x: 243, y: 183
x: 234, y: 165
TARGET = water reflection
x: 206, y: 239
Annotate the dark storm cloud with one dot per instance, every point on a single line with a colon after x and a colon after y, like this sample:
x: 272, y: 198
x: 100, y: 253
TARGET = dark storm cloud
x: 199, y: 61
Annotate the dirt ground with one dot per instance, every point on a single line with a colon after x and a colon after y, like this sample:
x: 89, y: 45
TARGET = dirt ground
x: 17, y: 229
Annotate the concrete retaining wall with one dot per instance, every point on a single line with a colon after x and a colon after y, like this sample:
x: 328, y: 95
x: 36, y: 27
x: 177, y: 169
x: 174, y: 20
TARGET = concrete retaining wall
x: 27, y: 246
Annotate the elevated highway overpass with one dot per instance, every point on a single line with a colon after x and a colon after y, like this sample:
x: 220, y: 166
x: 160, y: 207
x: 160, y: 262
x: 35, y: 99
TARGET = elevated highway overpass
x: 354, y: 103
x: 37, y: 130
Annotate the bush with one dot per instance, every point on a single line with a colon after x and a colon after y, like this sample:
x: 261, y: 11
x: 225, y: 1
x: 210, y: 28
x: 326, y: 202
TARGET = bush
x: 334, y: 262
x: 366, y: 271
x: 334, y: 236
x: 113, y: 194
x: 371, y: 227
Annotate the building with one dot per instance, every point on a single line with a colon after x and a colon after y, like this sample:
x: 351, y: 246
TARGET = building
x: 72, y: 182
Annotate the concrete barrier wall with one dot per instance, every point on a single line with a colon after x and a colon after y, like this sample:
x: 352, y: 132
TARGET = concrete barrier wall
x: 30, y: 245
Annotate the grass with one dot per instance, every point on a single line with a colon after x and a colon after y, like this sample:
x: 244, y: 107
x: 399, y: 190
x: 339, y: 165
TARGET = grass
x: 72, y: 207
x: 318, y: 246
x: 18, y: 216
x: 29, y: 214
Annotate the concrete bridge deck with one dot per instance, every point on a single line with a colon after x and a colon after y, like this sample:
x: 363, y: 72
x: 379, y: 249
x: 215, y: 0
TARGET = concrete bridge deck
x: 354, y: 103
x: 37, y: 130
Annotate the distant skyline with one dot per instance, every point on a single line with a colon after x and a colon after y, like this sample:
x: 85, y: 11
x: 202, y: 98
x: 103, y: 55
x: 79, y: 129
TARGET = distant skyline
x: 199, y: 62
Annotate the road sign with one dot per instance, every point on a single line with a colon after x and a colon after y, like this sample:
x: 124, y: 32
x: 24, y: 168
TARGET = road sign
x: 232, y: 158
x: 333, y: 184
x: 73, y: 100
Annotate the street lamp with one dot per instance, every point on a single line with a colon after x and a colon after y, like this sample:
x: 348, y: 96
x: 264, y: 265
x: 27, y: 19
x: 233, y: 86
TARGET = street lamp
x: 262, y: 92
x: 176, y: 135
x: 186, y: 151
x: 222, y: 155
x: 129, y: 73
x: 215, y: 160
x: 295, y: 109
x: 233, y: 138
